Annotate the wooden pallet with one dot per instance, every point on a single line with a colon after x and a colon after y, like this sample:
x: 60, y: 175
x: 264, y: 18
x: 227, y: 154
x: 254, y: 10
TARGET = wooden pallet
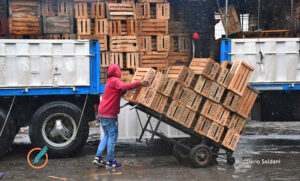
x: 3, y: 26
x: 202, y: 126
x: 123, y: 27
x: 24, y: 26
x: 58, y: 24
x: 154, y: 43
x: 163, y: 11
x: 103, y: 75
x: 117, y: 58
x: 180, y: 43
x: 153, y: 27
x: 105, y: 59
x: 24, y: 9
x: 203, y: 86
x: 57, y: 8
x: 81, y: 10
x: 101, y: 27
x: 178, y: 73
x: 205, y: 66
x: 241, y: 76
x: 143, y: 10
x: 236, y: 123
x: 215, y: 132
x: 121, y: 11
x: 83, y: 26
x: 194, y: 102
x: 159, y: 81
x: 153, y: 59
x: 179, y: 58
x: 98, y: 11
x: 132, y: 60
x: 216, y: 92
x: 123, y: 44
x: 145, y: 43
x: 230, y: 101
x: 163, y: 43
x: 231, y: 140
x: 246, y: 102
x: 146, y: 74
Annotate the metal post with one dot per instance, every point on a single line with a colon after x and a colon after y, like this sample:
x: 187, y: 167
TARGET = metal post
x: 226, y: 18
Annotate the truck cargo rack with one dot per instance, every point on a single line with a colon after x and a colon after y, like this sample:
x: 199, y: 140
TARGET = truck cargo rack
x: 198, y: 149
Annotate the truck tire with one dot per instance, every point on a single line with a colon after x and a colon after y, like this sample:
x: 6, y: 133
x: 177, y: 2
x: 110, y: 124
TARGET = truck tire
x: 54, y: 125
x: 8, y: 134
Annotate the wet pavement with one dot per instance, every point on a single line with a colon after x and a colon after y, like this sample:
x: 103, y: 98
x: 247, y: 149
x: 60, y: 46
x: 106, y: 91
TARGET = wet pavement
x: 266, y: 151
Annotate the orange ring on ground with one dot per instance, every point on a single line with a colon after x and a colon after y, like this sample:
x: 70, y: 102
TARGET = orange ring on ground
x: 28, y: 155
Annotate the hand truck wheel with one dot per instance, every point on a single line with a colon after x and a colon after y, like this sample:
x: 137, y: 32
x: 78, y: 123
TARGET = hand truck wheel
x: 200, y: 156
x: 230, y: 161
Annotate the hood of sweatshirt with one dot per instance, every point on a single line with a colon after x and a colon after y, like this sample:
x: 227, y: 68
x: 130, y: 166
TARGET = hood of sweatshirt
x: 114, y: 71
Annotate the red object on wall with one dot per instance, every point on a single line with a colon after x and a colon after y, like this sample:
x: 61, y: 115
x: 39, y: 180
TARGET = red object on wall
x: 3, y: 26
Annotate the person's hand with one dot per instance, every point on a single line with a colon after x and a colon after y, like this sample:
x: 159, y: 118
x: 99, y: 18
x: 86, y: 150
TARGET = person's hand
x: 145, y: 83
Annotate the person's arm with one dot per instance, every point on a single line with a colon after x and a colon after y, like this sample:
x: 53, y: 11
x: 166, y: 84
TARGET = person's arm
x: 126, y: 86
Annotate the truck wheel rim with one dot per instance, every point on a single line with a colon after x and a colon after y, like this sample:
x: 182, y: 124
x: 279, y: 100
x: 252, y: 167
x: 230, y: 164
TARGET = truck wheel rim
x: 59, y: 130
x: 202, y: 156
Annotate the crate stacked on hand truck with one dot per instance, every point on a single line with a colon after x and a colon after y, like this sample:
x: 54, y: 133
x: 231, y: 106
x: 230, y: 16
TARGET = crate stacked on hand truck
x: 208, y: 101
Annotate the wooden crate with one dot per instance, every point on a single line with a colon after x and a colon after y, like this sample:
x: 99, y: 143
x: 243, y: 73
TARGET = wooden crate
x: 230, y: 100
x: 3, y: 9
x: 154, y: 43
x: 123, y: 44
x: 24, y: 9
x: 178, y: 113
x: 222, y: 115
x: 215, y: 132
x: 195, y: 102
x: 233, y: 20
x: 163, y: 43
x: 132, y: 60
x: 159, y: 81
x: 241, y: 76
x: 191, y: 120
x: 179, y: 58
x: 180, y: 43
x: 101, y: 27
x: 209, y: 109
x: 163, y: 11
x: 103, y: 74
x: 231, y: 140
x: 103, y: 42
x: 123, y: 27
x: 105, y: 59
x: 172, y: 109
x: 153, y: 27
x: 83, y: 26
x: 81, y: 10
x: 184, y: 116
x: 24, y: 26
x: 184, y: 98
x: 177, y: 28
x: 146, y: 74
x: 163, y: 104
x: 58, y: 24
x: 3, y: 26
x: 202, y: 126
x: 98, y: 11
x: 126, y: 76
x: 178, y: 73
x: 151, y: 98
x: 236, y: 123
x: 203, y: 86
x: 145, y: 43
x: 216, y: 92
x: 57, y: 8
x: 246, y: 102
x: 205, y: 66
x: 177, y: 92
x: 143, y: 10
x: 191, y: 79
x: 121, y: 11
x: 153, y: 59
x: 117, y: 58
x: 169, y: 88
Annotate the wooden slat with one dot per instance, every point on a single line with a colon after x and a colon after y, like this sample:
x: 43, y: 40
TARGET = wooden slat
x: 101, y: 27
x: 24, y: 9
x: 132, y: 60
x: 58, y: 24
x: 153, y: 27
x: 81, y: 10
x: 154, y: 59
x: 117, y: 58
x: 84, y: 26
x: 105, y: 59
x: 143, y: 10
x: 24, y: 26
x: 121, y: 11
x: 123, y: 44
x: 163, y: 10
x: 246, y: 102
x: 98, y: 10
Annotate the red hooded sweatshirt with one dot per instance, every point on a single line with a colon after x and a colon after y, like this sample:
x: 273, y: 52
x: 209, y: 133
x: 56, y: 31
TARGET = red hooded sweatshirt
x: 109, y: 106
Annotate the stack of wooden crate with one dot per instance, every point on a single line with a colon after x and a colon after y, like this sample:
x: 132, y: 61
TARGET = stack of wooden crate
x: 180, y: 43
x: 3, y: 19
x: 212, y: 99
x: 25, y: 19
x: 58, y: 19
x: 153, y: 40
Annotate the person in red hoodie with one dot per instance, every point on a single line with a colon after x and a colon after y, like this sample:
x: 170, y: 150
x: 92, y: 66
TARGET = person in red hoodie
x: 108, y: 111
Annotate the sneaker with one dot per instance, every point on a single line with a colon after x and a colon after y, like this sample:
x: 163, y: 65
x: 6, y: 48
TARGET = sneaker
x: 99, y: 161
x: 113, y: 164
